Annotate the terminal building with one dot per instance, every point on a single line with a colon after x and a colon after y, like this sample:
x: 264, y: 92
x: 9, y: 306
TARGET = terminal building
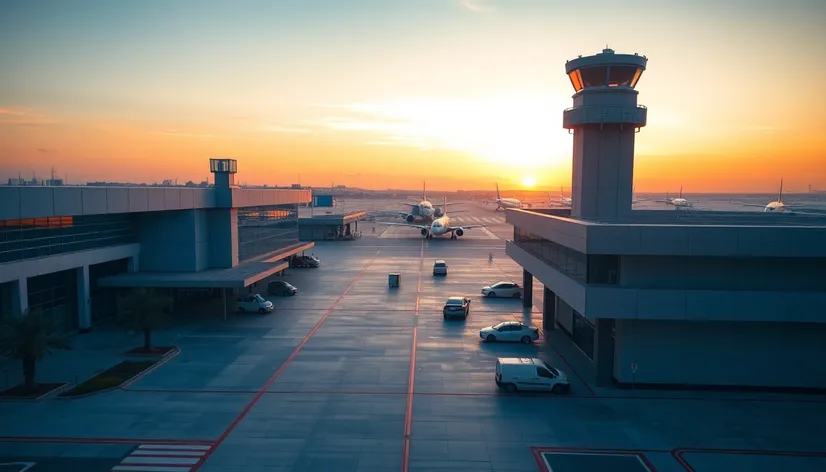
x: 669, y: 299
x: 67, y: 250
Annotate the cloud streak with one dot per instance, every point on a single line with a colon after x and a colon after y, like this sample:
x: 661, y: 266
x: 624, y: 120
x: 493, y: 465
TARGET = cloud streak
x: 23, y: 117
x: 477, y: 6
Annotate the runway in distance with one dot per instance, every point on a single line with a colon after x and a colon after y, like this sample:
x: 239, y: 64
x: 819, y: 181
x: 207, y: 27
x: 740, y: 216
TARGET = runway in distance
x: 439, y: 227
x: 779, y: 207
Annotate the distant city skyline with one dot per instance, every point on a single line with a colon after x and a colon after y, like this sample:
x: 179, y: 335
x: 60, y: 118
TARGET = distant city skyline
x: 462, y: 93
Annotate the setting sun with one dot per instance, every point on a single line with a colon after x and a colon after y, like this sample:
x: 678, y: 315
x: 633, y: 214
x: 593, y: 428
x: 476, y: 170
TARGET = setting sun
x: 528, y: 180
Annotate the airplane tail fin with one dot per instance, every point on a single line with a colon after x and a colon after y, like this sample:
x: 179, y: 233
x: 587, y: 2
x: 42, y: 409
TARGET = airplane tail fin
x: 498, y: 197
x: 780, y: 196
x: 444, y: 209
x: 681, y: 191
x: 424, y: 191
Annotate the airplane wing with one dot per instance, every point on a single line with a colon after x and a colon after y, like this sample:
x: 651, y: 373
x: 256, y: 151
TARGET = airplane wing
x: 755, y: 205
x: 453, y: 203
x: 663, y: 201
x: 802, y: 208
x: 795, y: 211
x: 411, y: 225
x: 463, y: 228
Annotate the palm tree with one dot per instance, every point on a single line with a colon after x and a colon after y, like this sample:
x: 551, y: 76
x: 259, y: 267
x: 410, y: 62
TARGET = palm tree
x: 28, y: 338
x: 144, y: 310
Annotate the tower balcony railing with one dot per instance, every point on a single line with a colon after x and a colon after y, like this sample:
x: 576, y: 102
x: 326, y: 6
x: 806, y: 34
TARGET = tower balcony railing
x: 635, y: 116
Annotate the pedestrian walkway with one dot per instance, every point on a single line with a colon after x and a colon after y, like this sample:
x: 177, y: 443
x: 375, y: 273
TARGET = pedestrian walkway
x: 162, y: 458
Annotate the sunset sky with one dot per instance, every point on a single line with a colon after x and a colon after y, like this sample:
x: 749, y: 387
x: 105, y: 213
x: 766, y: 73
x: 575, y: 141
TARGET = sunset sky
x: 386, y: 93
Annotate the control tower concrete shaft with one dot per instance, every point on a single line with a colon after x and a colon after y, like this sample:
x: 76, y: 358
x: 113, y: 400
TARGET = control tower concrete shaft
x: 604, y: 120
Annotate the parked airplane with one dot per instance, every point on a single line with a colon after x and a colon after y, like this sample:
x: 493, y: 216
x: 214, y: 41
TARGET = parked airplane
x: 439, y: 227
x: 505, y: 203
x: 780, y: 207
x: 678, y: 202
x: 562, y: 200
x: 568, y: 201
x: 423, y: 210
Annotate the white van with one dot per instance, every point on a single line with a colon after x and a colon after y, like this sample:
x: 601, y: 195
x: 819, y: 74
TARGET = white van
x: 524, y: 373
x: 253, y: 302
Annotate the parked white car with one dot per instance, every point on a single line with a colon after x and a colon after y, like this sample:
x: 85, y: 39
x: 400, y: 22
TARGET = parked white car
x: 523, y: 373
x: 503, y: 289
x: 510, y: 331
x: 253, y: 302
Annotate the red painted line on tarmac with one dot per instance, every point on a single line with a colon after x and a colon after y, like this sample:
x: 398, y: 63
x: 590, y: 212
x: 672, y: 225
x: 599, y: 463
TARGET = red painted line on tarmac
x: 35, y: 439
x: 679, y: 453
x: 538, y: 452
x: 275, y: 376
x: 478, y: 394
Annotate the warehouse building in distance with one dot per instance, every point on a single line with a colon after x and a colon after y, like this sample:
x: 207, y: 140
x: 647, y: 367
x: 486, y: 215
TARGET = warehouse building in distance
x: 66, y: 250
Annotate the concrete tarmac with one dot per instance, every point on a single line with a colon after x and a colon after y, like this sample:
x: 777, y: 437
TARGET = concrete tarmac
x: 353, y: 375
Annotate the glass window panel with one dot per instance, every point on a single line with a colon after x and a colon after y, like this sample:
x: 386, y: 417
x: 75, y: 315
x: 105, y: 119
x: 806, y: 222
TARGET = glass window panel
x: 621, y: 76
x: 594, y: 76
x: 637, y: 75
x: 576, y: 80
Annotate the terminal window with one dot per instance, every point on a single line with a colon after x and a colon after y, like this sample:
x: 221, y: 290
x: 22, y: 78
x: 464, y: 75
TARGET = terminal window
x: 265, y: 229
x: 603, y: 269
x: 566, y: 260
x: 39, y: 237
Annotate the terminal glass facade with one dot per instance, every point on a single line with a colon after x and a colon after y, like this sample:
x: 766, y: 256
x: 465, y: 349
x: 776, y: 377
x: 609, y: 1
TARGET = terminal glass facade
x: 592, y: 269
x: 55, y: 295
x: 104, y: 299
x: 262, y: 230
x: 39, y: 237
x: 583, y: 334
x: 566, y: 260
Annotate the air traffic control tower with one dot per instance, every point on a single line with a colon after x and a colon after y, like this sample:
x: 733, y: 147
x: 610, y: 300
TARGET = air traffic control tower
x: 662, y: 298
x: 604, y: 119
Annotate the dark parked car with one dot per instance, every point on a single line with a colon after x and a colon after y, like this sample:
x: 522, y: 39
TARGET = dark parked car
x: 304, y: 261
x: 282, y: 288
x: 456, y: 307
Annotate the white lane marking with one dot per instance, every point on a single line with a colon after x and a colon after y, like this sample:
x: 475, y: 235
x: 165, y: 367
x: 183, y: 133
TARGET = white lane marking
x: 140, y: 460
x: 166, y: 452
x: 149, y: 468
x: 175, y: 446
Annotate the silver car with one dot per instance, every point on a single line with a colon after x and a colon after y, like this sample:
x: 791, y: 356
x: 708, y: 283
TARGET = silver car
x: 503, y: 289
x: 510, y: 331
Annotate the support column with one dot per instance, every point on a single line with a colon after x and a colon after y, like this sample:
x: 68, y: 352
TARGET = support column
x: 548, y: 310
x: 133, y: 264
x: 20, y: 296
x: 527, y: 288
x: 84, y: 301
x: 604, y: 351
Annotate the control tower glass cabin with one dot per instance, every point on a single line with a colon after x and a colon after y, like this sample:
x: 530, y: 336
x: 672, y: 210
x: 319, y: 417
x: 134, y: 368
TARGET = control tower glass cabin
x: 603, y: 120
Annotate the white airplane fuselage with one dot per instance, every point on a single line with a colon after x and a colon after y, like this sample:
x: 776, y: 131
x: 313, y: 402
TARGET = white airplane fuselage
x: 681, y: 203
x: 426, y: 209
x: 777, y: 206
x: 504, y: 203
x: 439, y: 226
